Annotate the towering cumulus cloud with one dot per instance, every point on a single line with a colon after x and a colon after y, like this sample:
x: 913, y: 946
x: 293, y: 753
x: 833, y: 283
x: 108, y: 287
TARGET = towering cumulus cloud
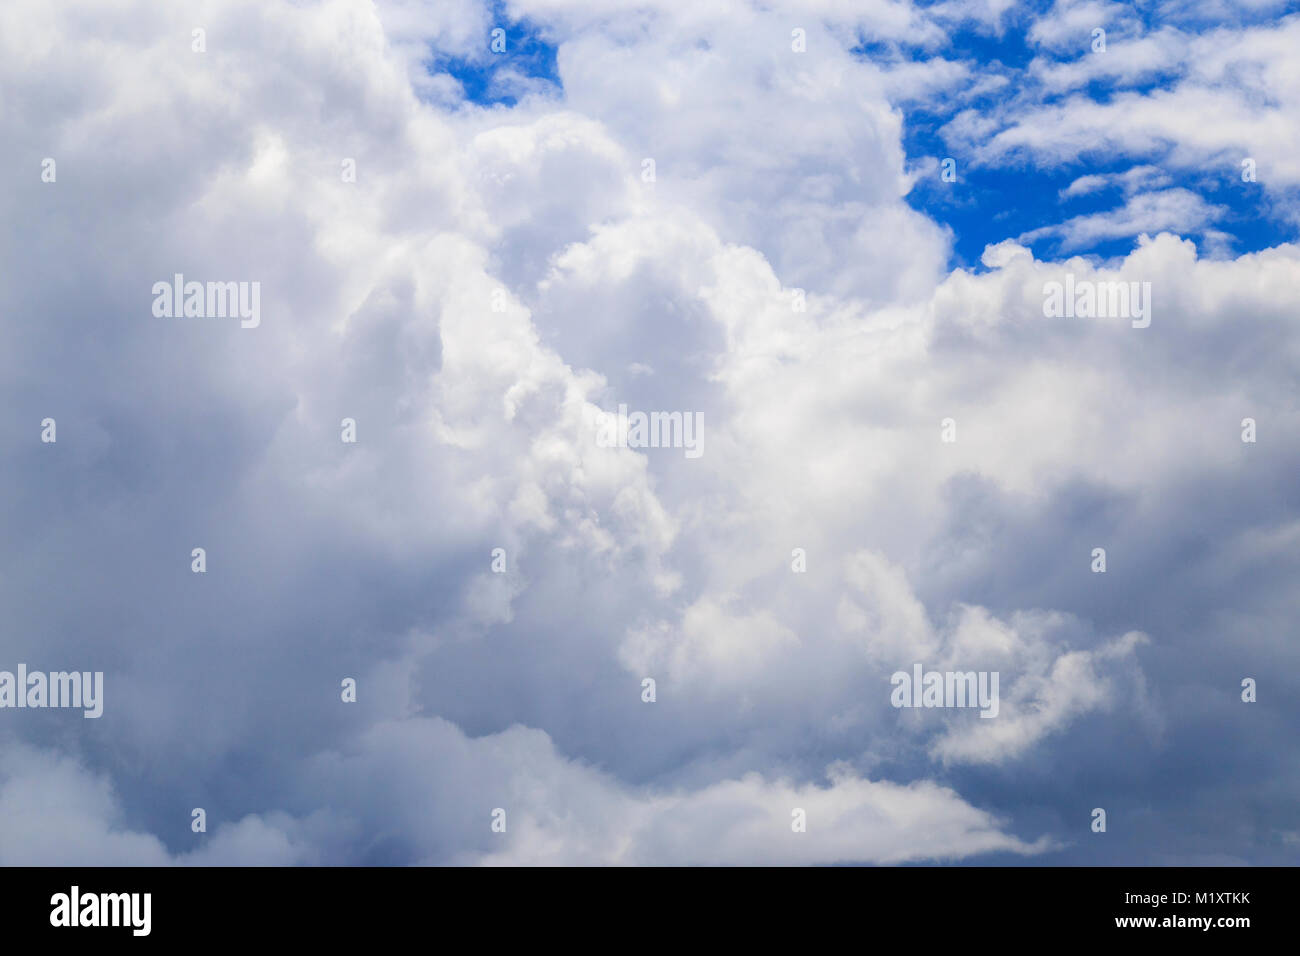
x: 537, y: 432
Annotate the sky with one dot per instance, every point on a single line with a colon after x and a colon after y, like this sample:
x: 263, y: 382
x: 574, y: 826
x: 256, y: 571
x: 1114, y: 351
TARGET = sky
x: 430, y: 595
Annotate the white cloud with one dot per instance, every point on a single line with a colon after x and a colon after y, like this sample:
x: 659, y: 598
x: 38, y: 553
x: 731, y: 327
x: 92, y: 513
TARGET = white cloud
x: 1168, y: 210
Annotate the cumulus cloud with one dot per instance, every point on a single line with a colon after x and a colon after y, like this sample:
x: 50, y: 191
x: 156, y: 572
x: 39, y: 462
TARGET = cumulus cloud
x: 497, y: 276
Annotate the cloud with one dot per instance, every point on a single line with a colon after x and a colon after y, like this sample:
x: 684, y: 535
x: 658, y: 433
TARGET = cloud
x: 1233, y: 97
x: 494, y: 279
x: 1168, y: 210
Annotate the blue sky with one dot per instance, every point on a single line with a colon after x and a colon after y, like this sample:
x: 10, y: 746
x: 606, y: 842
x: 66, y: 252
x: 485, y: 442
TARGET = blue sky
x: 1007, y: 200
x: 527, y: 52
x: 989, y: 202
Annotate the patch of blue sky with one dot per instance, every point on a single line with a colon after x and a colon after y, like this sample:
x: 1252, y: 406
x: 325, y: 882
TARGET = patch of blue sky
x: 1023, y: 194
x: 494, y: 78
x: 990, y: 203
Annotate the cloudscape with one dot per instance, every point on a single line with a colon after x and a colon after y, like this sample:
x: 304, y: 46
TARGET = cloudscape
x: 634, y: 433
